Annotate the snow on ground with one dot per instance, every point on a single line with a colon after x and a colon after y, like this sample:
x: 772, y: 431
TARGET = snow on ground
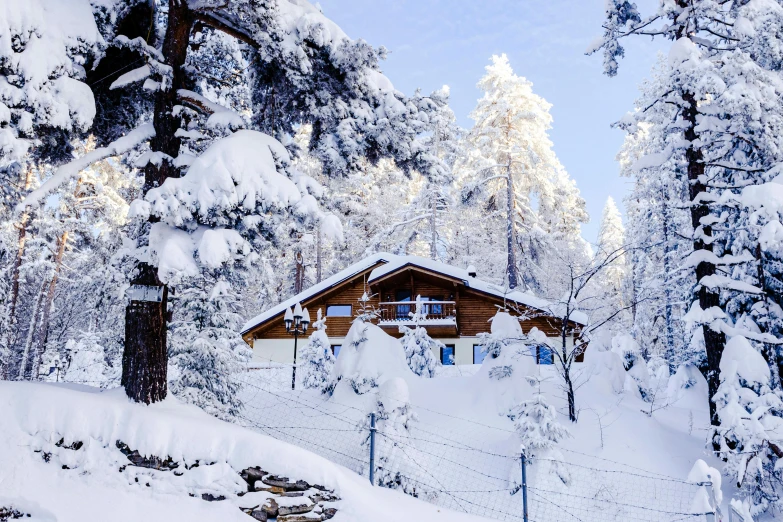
x: 96, y: 482
x: 624, y: 452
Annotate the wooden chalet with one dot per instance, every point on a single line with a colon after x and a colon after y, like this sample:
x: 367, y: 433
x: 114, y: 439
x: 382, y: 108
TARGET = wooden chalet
x: 458, y: 304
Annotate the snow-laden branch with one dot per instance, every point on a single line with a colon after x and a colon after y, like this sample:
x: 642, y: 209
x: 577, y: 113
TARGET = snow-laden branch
x: 219, y: 116
x: 71, y: 169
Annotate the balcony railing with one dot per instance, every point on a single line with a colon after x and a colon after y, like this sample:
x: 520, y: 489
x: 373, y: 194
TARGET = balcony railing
x: 400, y: 311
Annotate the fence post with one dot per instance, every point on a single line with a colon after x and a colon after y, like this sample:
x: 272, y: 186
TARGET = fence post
x: 524, y: 488
x: 372, y: 448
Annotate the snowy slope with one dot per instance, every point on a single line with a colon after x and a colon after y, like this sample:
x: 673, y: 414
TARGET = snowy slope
x: 37, y: 416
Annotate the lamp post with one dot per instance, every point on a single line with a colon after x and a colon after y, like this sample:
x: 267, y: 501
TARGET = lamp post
x: 296, y: 323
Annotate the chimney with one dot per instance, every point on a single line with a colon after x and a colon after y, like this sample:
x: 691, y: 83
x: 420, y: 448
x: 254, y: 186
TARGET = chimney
x: 472, y: 271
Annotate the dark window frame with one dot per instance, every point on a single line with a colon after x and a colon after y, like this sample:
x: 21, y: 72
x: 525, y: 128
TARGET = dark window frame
x: 333, y: 346
x: 453, y: 354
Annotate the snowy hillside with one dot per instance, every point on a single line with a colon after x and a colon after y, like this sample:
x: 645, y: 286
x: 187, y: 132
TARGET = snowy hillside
x: 67, y: 453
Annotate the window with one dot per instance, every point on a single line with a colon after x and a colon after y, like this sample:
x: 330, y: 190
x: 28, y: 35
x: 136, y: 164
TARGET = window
x: 432, y: 309
x: 402, y: 311
x: 447, y: 355
x: 339, y: 311
x: 544, y: 355
x: 336, y: 349
x: 478, y: 354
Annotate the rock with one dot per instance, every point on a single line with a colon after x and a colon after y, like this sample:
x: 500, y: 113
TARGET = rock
x: 328, y: 513
x: 73, y: 446
x: 9, y: 513
x: 270, y: 507
x: 282, y: 482
x: 306, y: 517
x: 294, y: 510
x: 258, y: 514
x: 251, y: 476
x: 323, y: 496
x: 209, y: 497
x: 151, y: 462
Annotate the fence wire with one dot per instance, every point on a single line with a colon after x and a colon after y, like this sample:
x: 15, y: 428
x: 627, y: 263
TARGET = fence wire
x: 462, y: 464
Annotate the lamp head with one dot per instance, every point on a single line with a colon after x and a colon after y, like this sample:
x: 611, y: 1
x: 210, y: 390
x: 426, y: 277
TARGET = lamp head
x: 297, y: 313
x: 288, y: 319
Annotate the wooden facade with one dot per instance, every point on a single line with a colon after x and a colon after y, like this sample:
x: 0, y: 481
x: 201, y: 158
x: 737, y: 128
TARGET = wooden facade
x: 474, y: 308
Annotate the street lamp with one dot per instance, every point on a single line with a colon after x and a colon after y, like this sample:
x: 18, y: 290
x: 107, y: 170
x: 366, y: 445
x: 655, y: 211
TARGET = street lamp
x: 296, y: 323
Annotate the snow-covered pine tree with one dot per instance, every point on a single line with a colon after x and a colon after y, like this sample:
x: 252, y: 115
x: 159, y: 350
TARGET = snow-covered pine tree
x: 513, y: 164
x: 658, y: 226
x: 394, y: 420
x: 721, y: 83
x: 86, y: 363
x: 538, y: 431
x: 751, y: 417
x: 613, y: 282
x: 317, y: 360
x: 420, y: 348
x: 206, y: 349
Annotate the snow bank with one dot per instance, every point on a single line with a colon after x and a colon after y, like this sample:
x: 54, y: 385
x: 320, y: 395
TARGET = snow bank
x: 369, y: 357
x: 36, y: 416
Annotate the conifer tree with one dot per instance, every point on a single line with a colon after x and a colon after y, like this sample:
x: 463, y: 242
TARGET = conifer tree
x: 317, y: 360
x: 206, y: 349
x: 420, y: 348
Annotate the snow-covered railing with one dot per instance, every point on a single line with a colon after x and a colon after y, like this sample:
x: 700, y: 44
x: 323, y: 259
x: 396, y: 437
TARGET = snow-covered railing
x: 400, y: 311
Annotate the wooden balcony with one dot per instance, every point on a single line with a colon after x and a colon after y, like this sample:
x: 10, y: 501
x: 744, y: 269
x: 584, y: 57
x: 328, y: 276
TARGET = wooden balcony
x: 440, y: 316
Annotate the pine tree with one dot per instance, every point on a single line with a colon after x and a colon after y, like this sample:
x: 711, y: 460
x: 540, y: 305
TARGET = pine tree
x: 317, y: 360
x: 206, y: 349
x: 536, y: 426
x: 722, y: 69
x: 420, y: 348
x: 751, y: 414
x: 510, y: 137
x: 613, y: 280
x: 86, y: 363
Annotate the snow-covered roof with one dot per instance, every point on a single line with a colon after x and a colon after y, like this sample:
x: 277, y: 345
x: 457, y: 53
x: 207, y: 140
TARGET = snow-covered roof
x: 474, y: 283
x: 339, y: 277
x: 393, y: 263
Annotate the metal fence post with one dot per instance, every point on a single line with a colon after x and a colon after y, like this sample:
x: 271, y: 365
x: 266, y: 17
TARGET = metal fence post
x: 372, y: 448
x: 524, y: 488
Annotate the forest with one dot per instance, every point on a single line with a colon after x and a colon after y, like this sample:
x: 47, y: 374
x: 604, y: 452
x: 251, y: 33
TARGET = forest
x: 170, y: 169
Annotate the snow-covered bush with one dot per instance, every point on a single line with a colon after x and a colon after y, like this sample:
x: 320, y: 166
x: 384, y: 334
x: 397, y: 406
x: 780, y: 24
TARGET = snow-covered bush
x: 536, y: 426
x: 368, y: 358
x: 508, y: 362
x: 420, y: 348
x: 317, y: 360
x: 205, y: 347
x: 87, y: 362
x: 394, y: 417
x: 750, y: 435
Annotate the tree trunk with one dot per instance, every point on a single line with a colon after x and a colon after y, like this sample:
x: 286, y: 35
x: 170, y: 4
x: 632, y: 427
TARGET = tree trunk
x: 299, y: 269
x: 43, y: 328
x: 9, y: 319
x: 145, y: 360
x: 318, y: 256
x: 434, y: 225
x: 714, y: 342
x: 511, y: 230
x: 667, y: 271
x: 25, y: 363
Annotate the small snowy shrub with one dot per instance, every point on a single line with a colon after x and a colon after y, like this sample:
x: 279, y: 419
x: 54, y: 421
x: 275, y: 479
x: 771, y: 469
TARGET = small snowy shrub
x: 206, y: 349
x: 536, y: 426
x: 394, y: 418
x: 317, y: 360
x: 420, y: 348
x: 750, y: 435
x: 87, y: 362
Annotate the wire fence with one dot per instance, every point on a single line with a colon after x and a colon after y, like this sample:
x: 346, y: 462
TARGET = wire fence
x: 463, y: 464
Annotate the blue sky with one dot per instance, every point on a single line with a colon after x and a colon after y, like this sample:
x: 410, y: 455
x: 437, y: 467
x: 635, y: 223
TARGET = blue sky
x: 437, y: 42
